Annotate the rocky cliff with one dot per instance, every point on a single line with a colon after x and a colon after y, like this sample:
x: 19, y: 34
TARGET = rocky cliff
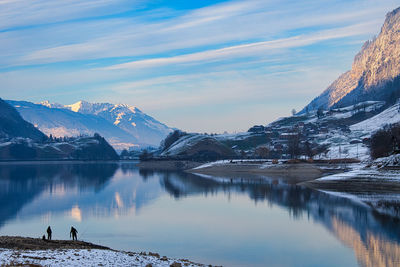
x: 375, y: 74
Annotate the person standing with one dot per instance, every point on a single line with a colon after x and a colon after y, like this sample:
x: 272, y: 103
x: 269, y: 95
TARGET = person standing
x: 49, y: 232
x: 73, y: 233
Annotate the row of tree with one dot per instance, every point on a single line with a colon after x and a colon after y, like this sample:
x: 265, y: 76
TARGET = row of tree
x: 386, y: 141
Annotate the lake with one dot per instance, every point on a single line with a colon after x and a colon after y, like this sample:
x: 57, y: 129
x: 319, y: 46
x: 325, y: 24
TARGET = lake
x: 245, y: 222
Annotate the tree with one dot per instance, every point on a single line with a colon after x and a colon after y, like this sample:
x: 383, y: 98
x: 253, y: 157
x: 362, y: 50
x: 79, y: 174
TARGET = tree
x: 144, y: 155
x: 308, y: 150
x: 124, y: 153
x: 320, y: 112
x: 262, y: 152
x: 172, y: 138
x: 293, y: 146
x: 385, y: 141
x: 294, y: 112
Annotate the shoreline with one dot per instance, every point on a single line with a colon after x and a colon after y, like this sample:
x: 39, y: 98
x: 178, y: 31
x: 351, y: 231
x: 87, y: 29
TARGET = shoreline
x: 168, y: 165
x: 21, y: 251
x: 297, y: 172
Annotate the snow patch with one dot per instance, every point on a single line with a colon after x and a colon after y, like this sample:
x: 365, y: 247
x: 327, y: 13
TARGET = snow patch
x: 84, y: 257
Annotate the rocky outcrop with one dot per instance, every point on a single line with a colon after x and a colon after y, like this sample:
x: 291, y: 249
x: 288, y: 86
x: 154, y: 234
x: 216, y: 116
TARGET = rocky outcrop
x: 375, y: 74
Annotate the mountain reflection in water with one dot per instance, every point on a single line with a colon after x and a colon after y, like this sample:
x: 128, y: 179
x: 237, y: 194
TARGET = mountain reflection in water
x: 107, y: 190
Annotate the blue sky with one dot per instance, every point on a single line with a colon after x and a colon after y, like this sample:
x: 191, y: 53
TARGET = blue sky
x: 208, y: 66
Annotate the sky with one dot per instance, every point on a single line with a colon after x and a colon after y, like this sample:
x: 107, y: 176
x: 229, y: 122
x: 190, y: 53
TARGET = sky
x: 200, y: 66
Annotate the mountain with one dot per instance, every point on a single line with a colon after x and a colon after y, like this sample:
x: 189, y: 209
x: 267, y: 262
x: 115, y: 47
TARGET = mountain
x: 375, y: 74
x: 20, y: 140
x: 123, y: 126
x: 61, y: 122
x: 132, y: 120
x: 13, y: 125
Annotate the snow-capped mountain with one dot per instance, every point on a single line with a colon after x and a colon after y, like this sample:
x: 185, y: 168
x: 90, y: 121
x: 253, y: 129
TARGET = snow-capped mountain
x: 375, y: 74
x: 123, y: 126
x: 129, y: 118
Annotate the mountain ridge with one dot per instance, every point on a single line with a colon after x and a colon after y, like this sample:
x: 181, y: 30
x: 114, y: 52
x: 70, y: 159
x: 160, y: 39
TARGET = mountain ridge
x: 375, y: 73
x: 124, y: 126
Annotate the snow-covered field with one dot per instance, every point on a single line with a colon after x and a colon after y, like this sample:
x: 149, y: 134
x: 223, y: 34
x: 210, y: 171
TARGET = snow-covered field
x: 85, y: 257
x: 234, y: 161
x: 388, y: 116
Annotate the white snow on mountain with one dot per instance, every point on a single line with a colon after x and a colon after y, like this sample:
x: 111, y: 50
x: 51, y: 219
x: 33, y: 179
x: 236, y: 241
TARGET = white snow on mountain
x: 128, y: 118
x: 388, y: 116
x: 123, y: 126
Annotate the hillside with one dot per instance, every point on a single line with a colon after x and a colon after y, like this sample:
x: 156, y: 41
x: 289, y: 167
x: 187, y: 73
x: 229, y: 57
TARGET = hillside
x: 79, y: 148
x: 13, y: 125
x: 197, y: 147
x: 388, y: 116
x: 375, y: 74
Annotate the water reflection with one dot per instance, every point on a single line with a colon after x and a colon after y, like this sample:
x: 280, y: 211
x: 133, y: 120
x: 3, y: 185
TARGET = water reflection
x: 20, y: 184
x: 110, y: 190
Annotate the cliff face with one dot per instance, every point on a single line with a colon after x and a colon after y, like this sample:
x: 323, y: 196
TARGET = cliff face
x: 375, y: 72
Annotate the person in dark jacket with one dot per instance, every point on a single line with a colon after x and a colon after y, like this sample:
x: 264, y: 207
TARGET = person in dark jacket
x: 49, y: 232
x: 73, y: 233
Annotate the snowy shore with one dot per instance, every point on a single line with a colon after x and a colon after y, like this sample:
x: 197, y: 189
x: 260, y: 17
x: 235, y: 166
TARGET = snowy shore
x: 24, y: 251
x: 284, y: 169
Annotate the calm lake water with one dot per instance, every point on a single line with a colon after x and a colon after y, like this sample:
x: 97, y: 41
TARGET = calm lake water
x: 180, y: 215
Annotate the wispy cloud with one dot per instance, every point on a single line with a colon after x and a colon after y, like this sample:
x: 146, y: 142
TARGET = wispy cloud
x: 25, y: 13
x: 207, y: 28
x: 252, y: 49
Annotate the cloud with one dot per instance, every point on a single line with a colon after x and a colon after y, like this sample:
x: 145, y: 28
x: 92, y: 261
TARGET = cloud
x: 25, y: 13
x: 251, y: 49
x: 231, y: 54
x: 209, y: 28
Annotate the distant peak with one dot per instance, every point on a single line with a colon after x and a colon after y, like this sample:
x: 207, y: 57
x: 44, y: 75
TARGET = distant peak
x: 132, y: 109
x: 393, y: 12
x: 48, y: 104
x: 45, y: 103
x: 76, y: 106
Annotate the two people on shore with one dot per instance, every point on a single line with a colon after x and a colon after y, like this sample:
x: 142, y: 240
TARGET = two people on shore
x: 73, y: 233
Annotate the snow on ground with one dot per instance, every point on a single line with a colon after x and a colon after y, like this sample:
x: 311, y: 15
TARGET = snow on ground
x: 365, y: 173
x: 85, y: 257
x: 237, y: 180
x: 182, y: 143
x: 347, y: 112
x: 230, y: 136
x: 339, y: 151
x: 224, y: 162
x: 388, y: 116
x: 391, y: 161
